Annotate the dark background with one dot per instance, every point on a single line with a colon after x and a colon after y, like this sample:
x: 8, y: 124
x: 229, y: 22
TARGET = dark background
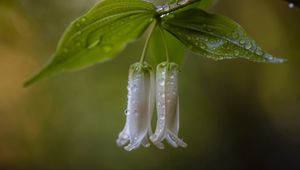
x: 235, y: 114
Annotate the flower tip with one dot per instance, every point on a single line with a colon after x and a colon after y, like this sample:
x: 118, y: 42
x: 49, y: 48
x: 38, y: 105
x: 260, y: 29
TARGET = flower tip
x: 158, y: 144
x: 131, y: 147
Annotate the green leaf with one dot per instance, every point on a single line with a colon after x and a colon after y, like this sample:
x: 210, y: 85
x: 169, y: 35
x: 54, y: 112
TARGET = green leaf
x: 214, y: 36
x: 99, y: 35
x: 157, y: 48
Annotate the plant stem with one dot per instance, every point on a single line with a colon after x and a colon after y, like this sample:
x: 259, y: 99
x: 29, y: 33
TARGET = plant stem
x: 177, y: 7
x: 147, y: 41
x: 165, y: 43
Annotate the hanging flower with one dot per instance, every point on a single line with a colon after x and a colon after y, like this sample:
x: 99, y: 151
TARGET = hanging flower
x: 167, y: 104
x: 140, y: 107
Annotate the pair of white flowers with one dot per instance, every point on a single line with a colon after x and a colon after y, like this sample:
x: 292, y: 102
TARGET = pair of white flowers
x: 142, y: 89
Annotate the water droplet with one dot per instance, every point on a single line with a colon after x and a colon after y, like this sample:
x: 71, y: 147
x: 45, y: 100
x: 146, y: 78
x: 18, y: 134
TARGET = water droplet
x: 235, y: 35
x: 83, y: 19
x: 78, y: 24
x: 291, y: 5
x: 93, y: 44
x: 163, y: 96
x: 162, y: 83
x: 126, y: 112
x: 159, y: 8
x: 65, y: 50
x: 107, y: 48
x: 166, y: 7
x: 181, y: 2
x: 78, y: 44
x: 259, y: 52
x: 236, y: 53
x: 202, y: 45
x: 248, y: 45
x: 242, y: 41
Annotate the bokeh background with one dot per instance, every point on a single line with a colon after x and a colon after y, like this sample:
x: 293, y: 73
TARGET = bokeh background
x: 234, y: 114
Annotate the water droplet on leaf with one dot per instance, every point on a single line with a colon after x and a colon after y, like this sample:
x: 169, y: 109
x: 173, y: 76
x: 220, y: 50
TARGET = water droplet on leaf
x: 236, y: 53
x: 248, y: 46
x: 242, y: 41
x: 83, y: 19
x: 181, y: 2
x: 107, y: 48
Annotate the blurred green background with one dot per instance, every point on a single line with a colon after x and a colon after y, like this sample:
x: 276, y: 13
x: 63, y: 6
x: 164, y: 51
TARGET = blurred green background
x: 234, y: 114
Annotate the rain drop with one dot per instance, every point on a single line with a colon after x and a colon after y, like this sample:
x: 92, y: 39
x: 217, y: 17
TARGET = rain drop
x: 236, y: 53
x: 235, y: 35
x: 107, y: 48
x: 83, y: 19
x: 248, y: 46
x: 162, y: 118
x: 78, y: 44
x: 181, y: 2
x: 242, y: 42
x: 126, y: 112
x: 166, y: 7
x: 93, y: 44
x: 259, y: 52
x: 159, y: 8
x: 202, y: 45
x: 65, y: 50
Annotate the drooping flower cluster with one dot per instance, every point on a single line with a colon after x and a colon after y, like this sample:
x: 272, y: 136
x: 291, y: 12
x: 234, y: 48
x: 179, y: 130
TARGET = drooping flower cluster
x: 142, y: 89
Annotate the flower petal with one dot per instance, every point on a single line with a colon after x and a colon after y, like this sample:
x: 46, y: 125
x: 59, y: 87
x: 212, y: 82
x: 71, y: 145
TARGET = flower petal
x: 138, y: 108
x: 167, y: 103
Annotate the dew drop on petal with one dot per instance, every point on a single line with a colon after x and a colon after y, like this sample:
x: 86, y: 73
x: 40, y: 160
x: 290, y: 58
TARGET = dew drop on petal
x: 162, y: 83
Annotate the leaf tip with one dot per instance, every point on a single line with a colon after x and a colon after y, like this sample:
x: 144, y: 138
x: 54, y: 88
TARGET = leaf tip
x: 274, y: 60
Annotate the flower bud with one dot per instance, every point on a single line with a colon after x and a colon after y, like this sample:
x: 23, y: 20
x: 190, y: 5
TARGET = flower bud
x: 167, y: 104
x: 139, y: 107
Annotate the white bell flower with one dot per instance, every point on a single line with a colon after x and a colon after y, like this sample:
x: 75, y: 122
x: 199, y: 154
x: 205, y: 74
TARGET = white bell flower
x: 139, y: 107
x: 167, y: 104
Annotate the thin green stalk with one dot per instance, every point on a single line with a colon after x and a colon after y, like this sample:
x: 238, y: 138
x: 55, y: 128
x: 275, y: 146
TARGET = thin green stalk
x: 178, y: 7
x: 147, y: 42
x: 165, y: 43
